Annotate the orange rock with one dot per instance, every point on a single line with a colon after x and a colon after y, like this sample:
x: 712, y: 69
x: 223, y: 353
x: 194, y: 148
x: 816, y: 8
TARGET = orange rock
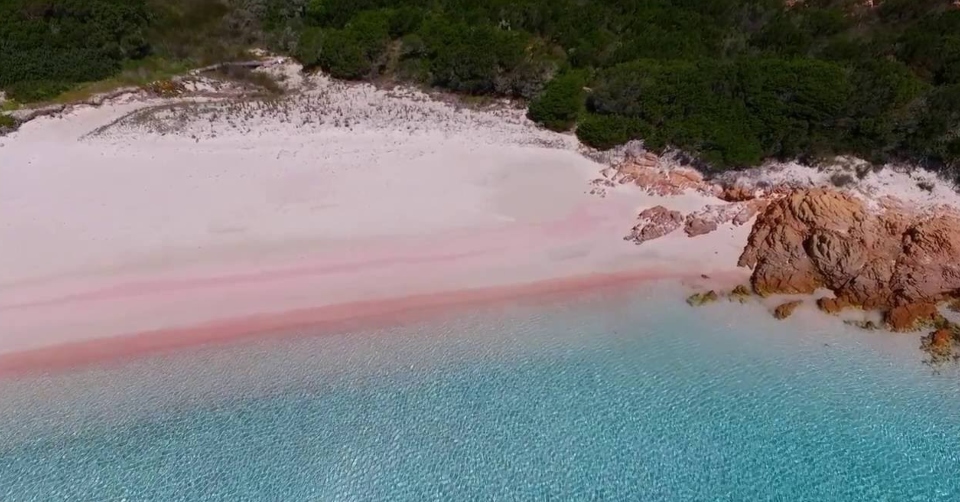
x: 941, y: 338
x: 699, y: 226
x: 785, y: 310
x: 655, y: 222
x: 737, y: 193
x: 645, y: 171
x: 894, y: 259
x: 832, y: 305
x: 910, y: 317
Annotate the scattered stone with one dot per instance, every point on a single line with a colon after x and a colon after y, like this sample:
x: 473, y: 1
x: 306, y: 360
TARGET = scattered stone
x: 699, y: 226
x: 954, y: 305
x: 699, y: 299
x: 737, y: 193
x: 942, y: 344
x: 785, y: 310
x: 741, y: 293
x: 655, y: 222
x: 832, y: 306
x: 867, y: 325
x: 645, y: 170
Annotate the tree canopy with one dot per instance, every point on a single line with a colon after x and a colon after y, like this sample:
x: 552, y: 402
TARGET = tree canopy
x: 733, y: 82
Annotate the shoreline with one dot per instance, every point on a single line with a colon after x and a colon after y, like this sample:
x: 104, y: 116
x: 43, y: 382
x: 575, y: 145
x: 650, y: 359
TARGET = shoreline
x: 147, y: 221
x: 178, y: 225
x: 317, y: 321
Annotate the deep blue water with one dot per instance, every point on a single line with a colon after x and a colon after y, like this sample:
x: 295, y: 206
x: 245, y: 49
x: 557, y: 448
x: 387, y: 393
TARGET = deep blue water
x: 614, y: 396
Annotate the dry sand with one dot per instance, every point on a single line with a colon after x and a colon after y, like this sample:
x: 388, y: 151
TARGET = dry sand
x: 205, y: 221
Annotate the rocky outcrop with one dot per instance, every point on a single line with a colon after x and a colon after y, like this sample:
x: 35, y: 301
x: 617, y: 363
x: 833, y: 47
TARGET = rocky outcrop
x: 653, y: 223
x: 891, y: 259
x: 711, y: 217
x: 646, y: 171
x: 737, y: 193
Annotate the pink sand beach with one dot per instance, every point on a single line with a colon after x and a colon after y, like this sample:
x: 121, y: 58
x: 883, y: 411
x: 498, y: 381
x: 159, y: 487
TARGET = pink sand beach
x: 136, y: 237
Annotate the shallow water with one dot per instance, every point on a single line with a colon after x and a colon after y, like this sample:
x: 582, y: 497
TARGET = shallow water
x: 616, y: 395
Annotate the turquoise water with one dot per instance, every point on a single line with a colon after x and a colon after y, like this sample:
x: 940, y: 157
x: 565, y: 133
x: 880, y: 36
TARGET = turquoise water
x: 613, y: 396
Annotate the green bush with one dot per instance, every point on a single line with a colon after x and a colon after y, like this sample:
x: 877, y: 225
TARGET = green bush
x: 309, y: 47
x: 32, y: 91
x: 558, y: 106
x: 607, y: 131
x: 352, y: 52
x: 7, y: 122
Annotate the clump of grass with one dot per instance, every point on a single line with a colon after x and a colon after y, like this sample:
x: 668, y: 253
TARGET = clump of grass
x: 9, y: 105
x: 166, y: 88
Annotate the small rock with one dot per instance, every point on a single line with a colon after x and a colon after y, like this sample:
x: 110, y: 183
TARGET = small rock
x: 699, y: 226
x: 832, y: 305
x: 655, y: 222
x: 741, y: 293
x: 867, y: 325
x: 737, y: 193
x: 912, y: 316
x: 785, y: 310
x: 698, y: 299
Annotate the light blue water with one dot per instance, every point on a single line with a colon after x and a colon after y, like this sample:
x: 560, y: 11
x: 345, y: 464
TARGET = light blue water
x: 615, y: 396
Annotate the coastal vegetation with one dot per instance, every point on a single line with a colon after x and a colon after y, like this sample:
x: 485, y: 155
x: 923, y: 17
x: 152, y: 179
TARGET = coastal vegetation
x: 732, y: 82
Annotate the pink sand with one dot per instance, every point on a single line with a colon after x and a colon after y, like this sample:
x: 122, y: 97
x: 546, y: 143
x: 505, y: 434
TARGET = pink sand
x: 131, y: 242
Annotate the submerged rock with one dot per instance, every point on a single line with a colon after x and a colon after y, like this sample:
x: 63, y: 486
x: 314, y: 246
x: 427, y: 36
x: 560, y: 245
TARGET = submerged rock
x: 832, y: 305
x: 741, y: 293
x: 942, y: 344
x: 862, y: 324
x: 785, y: 310
x: 698, y: 299
x: 954, y: 305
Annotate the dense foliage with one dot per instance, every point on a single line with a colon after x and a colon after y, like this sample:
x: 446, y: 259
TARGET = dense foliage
x: 731, y: 81
x: 44, y: 45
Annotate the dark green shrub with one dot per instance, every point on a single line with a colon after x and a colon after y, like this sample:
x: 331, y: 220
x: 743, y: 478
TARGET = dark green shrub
x: 558, y: 106
x: 7, y: 122
x: 309, y: 47
x: 32, y: 91
x: 607, y: 131
x: 341, y: 57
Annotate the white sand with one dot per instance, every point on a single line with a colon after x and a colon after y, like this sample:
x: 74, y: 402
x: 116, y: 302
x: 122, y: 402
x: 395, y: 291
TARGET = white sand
x: 345, y: 193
